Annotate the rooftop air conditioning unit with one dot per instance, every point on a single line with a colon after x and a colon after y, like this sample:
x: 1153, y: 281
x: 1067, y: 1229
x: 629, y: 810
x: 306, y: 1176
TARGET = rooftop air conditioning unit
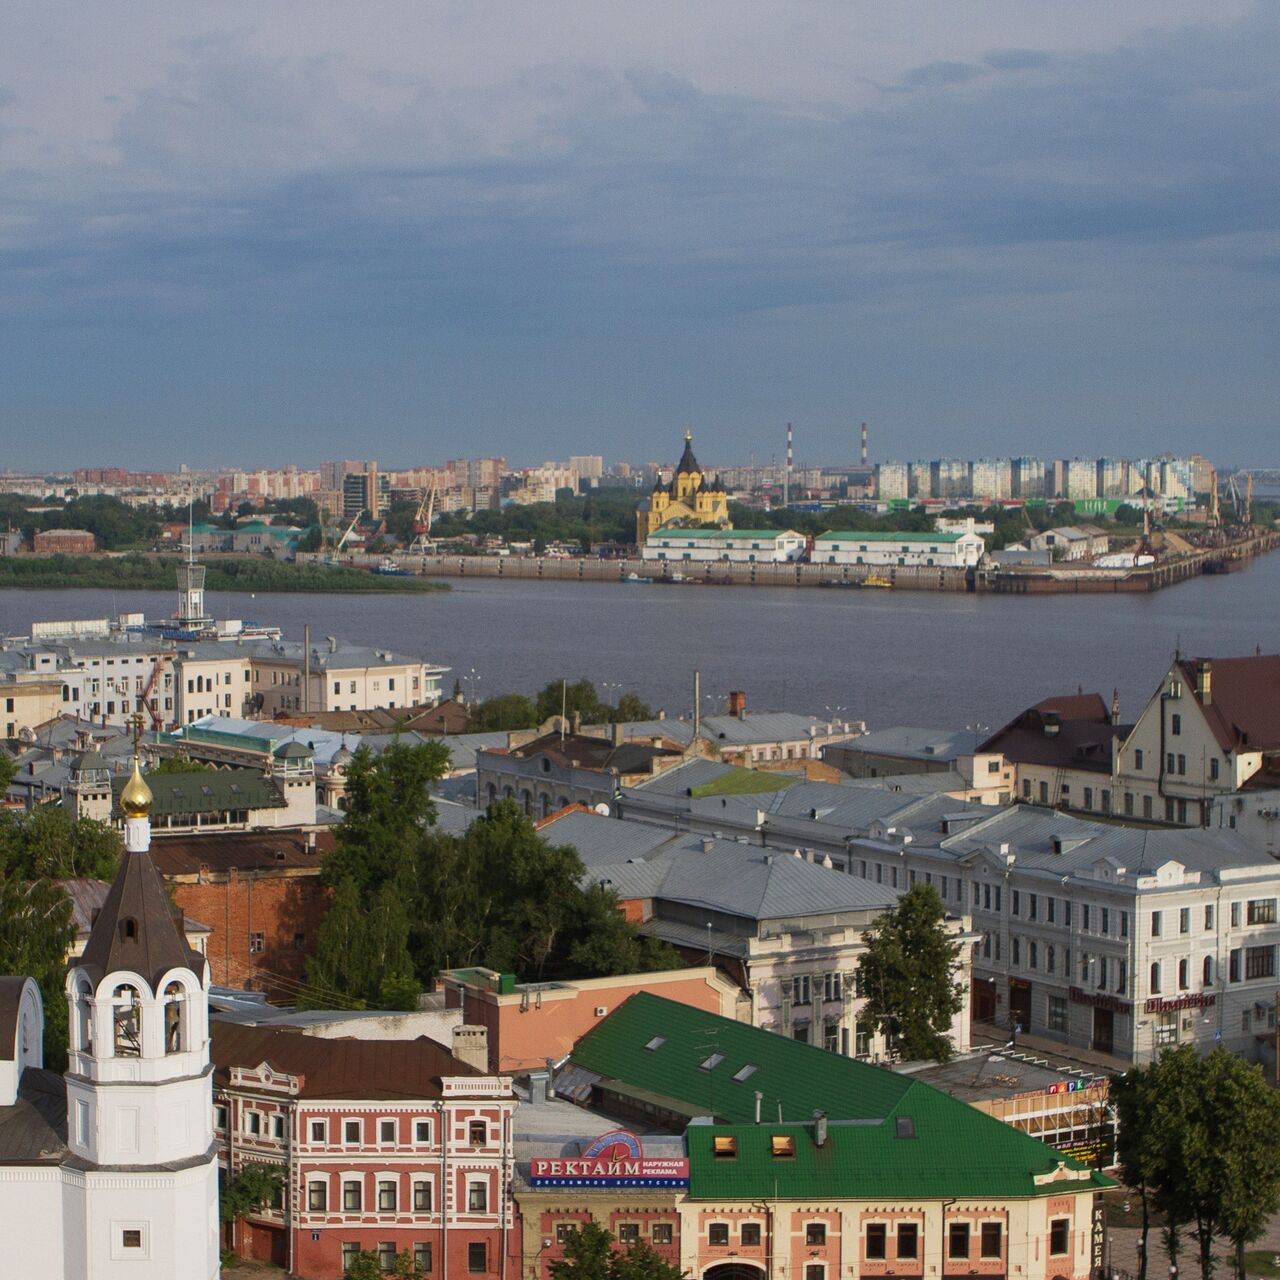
x: 601, y: 1010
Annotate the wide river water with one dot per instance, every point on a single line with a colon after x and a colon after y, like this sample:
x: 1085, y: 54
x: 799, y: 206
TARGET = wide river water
x: 886, y: 657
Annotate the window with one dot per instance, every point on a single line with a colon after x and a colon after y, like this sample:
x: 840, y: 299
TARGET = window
x: 1261, y: 911
x: 877, y: 1235
x: 908, y: 1240
x: 386, y: 1196
x: 1182, y: 766
x: 815, y: 1271
x: 1176, y: 726
x: 1207, y: 972
x: 628, y: 1232
x: 1137, y: 758
x: 386, y: 1130
x: 1105, y: 927
x: 800, y: 989
x: 1017, y: 951
x: 1033, y: 955
x: 1146, y: 806
x: 352, y: 1200
x: 725, y: 1147
x: 252, y: 1122
x: 277, y: 1127
x: 317, y: 1196
x: 131, y: 1238
x: 1155, y: 924
x: 1084, y: 917
x: 1049, y: 905
x: 477, y: 1257
x: 1184, y: 974
x: 1233, y: 965
x: 782, y: 1146
x: 387, y: 1256
x: 1260, y: 962
x: 422, y: 1258
x: 477, y: 1133
x: 478, y: 1197
x: 564, y: 1230
x: 1016, y: 904
x: 421, y: 1196
x: 350, y: 1252
x: 1049, y: 957
x: 718, y: 1233
x: 219, y: 1117
x: 815, y: 1233
x: 257, y: 943
x: 1235, y: 915
x: 1124, y: 924
x: 1155, y: 979
x: 958, y: 1240
x: 745, y: 1072
x: 1059, y: 1236
x: 1058, y: 1014
x: 1088, y: 797
x: 750, y: 1234
x: 1033, y: 906
x: 422, y: 1131
x: 1208, y: 917
x: 711, y: 1063
x: 351, y: 1131
x: 1213, y: 769
x: 831, y: 986
x: 318, y: 1130
x: 991, y: 1239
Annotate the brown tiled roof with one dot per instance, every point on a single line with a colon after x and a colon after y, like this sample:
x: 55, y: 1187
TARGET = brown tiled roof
x: 447, y: 717
x: 1082, y: 741
x: 137, y: 928
x: 1244, y: 700
x: 339, y: 1068
x: 241, y: 851
x: 581, y: 751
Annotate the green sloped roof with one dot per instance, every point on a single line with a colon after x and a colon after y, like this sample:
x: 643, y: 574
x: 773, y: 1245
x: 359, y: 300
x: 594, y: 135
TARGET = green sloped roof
x: 722, y: 535
x: 956, y: 1150
x: 204, y: 791
x: 744, y: 782
x: 883, y: 535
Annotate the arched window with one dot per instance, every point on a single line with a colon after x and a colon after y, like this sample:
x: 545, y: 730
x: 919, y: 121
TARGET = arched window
x: 1035, y: 954
x: 1155, y: 979
x: 493, y: 792
x: 526, y: 800
x: 1184, y: 974
x: 546, y: 806
x: 175, y: 1017
x: 84, y: 1017
x: 1208, y: 971
x: 126, y: 1007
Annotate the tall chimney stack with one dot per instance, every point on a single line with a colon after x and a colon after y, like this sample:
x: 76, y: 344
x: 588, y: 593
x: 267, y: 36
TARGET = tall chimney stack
x: 1115, y: 706
x: 786, y: 475
x: 865, y: 455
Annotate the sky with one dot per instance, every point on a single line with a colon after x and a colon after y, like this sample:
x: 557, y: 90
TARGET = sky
x: 261, y: 231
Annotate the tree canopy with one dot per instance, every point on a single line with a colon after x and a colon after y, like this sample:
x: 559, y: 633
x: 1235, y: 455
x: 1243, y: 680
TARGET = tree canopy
x: 591, y: 1253
x: 908, y: 976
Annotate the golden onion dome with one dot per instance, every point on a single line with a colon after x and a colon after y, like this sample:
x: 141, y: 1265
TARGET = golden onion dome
x: 136, y: 797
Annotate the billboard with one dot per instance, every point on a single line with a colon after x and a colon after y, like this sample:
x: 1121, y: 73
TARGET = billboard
x: 614, y: 1159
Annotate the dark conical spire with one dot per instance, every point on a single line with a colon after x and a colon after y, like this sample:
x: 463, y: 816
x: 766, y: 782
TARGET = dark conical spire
x: 688, y: 463
x: 136, y: 929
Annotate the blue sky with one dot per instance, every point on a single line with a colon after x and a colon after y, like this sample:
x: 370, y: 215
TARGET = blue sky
x: 250, y: 233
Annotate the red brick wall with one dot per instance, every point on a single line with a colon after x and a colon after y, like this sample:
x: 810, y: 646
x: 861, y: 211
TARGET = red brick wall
x: 286, y: 910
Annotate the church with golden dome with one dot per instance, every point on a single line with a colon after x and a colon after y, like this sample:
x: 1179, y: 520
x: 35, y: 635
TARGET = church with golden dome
x: 690, y: 500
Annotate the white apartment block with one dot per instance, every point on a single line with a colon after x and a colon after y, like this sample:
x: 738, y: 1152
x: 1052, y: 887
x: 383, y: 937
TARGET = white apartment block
x: 882, y: 549
x: 992, y: 478
x: 893, y: 480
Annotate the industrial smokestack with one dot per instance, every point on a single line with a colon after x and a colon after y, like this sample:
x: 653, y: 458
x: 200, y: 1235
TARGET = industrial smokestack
x: 786, y: 475
x: 865, y: 455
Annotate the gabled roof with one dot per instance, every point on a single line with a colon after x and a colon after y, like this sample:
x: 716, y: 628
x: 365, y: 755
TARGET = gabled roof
x: 339, y: 1068
x: 578, y: 750
x: 204, y: 791
x: 137, y: 929
x: 1073, y: 731
x: 1244, y: 700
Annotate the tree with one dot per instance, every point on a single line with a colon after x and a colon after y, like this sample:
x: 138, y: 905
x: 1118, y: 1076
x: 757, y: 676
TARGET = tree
x: 366, y: 1265
x: 48, y: 844
x: 908, y: 976
x: 578, y: 698
x: 506, y: 711
x: 590, y: 1253
x: 36, y: 933
x: 1137, y: 1147
x: 630, y: 709
x: 254, y: 1187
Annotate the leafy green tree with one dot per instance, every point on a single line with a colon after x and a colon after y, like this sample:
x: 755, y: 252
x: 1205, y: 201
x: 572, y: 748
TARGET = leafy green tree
x: 1137, y: 1145
x: 48, y: 844
x: 908, y: 976
x: 578, y: 698
x: 254, y: 1187
x: 591, y: 1253
x: 506, y: 711
x: 36, y: 934
x: 366, y: 1265
x: 630, y: 709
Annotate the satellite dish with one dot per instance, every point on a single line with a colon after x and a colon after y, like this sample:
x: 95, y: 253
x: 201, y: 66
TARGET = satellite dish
x: 602, y: 809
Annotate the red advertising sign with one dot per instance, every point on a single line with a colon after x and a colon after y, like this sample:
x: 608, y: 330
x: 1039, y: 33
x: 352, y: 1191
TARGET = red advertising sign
x: 614, y: 1159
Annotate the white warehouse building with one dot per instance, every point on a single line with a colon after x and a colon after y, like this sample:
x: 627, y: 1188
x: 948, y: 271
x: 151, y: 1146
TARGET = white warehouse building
x: 914, y: 550
x: 738, y: 546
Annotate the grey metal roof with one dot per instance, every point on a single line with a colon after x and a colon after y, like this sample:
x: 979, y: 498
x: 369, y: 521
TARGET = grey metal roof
x: 601, y: 840
x: 767, y: 726
x: 34, y: 1129
x: 912, y: 784
x: 911, y: 743
x: 681, y: 779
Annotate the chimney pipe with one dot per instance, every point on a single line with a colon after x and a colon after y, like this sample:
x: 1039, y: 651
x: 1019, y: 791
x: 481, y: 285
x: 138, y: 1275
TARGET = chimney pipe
x: 1204, y: 682
x: 864, y: 444
x: 819, y: 1128
x: 759, y: 1100
x: 737, y: 703
x: 1115, y: 706
x: 576, y: 721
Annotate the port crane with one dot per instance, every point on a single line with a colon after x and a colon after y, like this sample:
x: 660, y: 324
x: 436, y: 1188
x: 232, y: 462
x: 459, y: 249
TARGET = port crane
x: 422, y: 522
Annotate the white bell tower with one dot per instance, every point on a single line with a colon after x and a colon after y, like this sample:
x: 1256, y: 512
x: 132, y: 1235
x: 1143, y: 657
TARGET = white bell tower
x: 139, y: 1079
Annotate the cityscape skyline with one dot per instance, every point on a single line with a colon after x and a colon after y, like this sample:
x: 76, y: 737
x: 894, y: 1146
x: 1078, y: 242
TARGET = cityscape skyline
x: 231, y: 233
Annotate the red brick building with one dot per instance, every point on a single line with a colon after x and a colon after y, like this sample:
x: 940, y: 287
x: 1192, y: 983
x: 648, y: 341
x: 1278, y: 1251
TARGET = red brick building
x: 261, y: 895
x: 65, y: 542
x: 390, y: 1146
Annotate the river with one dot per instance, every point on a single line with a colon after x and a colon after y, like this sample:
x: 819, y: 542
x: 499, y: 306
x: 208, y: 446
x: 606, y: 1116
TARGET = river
x: 888, y: 658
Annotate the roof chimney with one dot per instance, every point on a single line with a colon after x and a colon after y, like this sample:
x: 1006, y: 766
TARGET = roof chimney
x: 819, y: 1128
x: 1115, y: 706
x: 575, y: 722
x: 1052, y: 724
x: 708, y: 844
x: 471, y: 1045
x: 737, y: 703
x: 619, y: 733
x: 1204, y: 685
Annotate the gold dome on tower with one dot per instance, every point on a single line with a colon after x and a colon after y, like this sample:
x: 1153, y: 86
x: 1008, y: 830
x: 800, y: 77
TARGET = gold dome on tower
x: 136, y: 797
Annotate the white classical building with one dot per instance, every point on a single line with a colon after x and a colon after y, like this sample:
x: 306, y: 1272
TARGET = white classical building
x: 880, y: 549
x: 112, y: 1168
x: 738, y: 546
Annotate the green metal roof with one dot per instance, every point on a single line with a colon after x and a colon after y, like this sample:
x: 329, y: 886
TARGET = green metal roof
x: 956, y: 1149
x: 883, y: 535
x: 744, y: 782
x: 722, y: 533
x: 204, y: 791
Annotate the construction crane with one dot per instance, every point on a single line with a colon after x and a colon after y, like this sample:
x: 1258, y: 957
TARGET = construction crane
x: 342, y: 541
x: 422, y: 521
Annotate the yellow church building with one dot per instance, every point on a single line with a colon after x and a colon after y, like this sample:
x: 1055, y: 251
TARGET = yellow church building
x: 690, y: 499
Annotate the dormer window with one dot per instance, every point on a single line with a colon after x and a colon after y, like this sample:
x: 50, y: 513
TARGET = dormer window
x: 782, y: 1146
x: 128, y: 929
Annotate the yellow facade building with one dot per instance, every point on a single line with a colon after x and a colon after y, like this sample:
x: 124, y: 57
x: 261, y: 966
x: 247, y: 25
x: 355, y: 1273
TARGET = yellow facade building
x: 690, y: 499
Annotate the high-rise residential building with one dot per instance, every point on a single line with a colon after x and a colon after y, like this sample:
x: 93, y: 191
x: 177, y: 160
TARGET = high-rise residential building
x: 920, y: 478
x: 1203, y: 474
x: 1081, y: 479
x: 950, y: 478
x: 365, y: 491
x: 893, y: 481
x: 1111, y: 478
x: 992, y: 478
x: 1028, y: 478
